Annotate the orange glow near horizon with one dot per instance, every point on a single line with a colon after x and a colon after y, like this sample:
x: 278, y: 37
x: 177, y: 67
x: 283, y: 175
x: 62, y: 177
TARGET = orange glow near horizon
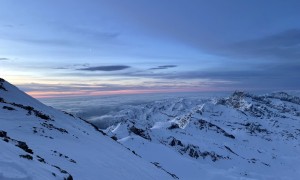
x: 55, y: 94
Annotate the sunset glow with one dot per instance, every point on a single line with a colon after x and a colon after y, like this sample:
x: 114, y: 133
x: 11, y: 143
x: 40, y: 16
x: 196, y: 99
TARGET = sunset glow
x: 53, y: 94
x: 104, y: 47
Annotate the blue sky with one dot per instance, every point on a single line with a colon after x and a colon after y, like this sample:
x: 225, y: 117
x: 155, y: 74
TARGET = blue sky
x: 93, y: 47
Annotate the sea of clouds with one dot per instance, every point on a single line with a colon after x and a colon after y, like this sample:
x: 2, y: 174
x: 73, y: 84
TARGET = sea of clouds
x: 100, y: 110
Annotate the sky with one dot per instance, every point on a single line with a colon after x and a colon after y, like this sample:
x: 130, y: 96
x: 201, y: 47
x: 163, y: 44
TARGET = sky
x: 65, y: 48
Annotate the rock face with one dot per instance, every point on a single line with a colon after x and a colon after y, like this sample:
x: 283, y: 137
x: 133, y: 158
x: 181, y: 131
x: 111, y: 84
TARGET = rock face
x: 239, y: 137
x: 38, y: 142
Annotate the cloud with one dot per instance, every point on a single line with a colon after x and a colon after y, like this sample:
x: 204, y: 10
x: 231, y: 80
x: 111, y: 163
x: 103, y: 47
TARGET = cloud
x: 279, y: 75
x: 74, y: 87
x: 81, y: 65
x: 60, y: 68
x: 8, y: 26
x: 73, y: 66
x: 105, y: 68
x: 4, y: 59
x: 91, y: 33
x: 163, y: 67
x: 49, y: 41
x: 89, y: 89
x: 54, y: 42
x: 65, y: 36
x: 284, y: 46
x: 103, y: 121
x: 234, y: 28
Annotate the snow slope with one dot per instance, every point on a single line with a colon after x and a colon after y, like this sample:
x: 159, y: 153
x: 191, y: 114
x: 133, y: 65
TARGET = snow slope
x: 243, y: 136
x: 39, y: 142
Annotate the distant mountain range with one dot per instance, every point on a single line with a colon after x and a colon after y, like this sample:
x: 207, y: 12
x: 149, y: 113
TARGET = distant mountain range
x: 243, y: 136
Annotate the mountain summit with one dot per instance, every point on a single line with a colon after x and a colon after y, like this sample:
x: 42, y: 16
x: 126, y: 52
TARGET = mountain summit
x: 39, y: 142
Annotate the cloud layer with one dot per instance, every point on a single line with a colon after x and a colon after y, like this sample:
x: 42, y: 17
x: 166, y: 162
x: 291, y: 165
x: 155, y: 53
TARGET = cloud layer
x: 163, y: 67
x: 135, y: 46
x: 105, y: 68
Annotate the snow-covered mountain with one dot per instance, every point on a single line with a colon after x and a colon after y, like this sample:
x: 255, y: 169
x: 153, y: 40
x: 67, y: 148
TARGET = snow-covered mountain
x: 38, y: 142
x: 243, y: 136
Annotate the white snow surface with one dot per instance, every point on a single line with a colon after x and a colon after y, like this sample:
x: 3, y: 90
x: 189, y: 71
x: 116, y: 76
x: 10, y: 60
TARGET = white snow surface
x: 243, y: 136
x: 38, y: 142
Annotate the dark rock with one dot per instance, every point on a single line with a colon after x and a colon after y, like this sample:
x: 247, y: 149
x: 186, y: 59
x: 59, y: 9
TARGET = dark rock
x: 230, y: 150
x: 194, y: 152
x: 1, y: 85
x: 41, y: 115
x: 61, y: 170
x: 114, y: 138
x: 69, y: 114
x: 24, y: 146
x: 3, y: 134
x: 95, y: 127
x: 254, y: 128
x: 64, y: 172
x: 203, y: 124
x: 51, y: 127
x: 69, y: 178
x: 72, y: 161
x: 160, y: 167
x: 140, y: 132
x: 27, y: 156
x: 266, y: 164
x: 30, y: 109
x: 174, y: 126
x: 175, y: 142
x: 229, y: 135
x: 42, y: 160
x: 8, y: 108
